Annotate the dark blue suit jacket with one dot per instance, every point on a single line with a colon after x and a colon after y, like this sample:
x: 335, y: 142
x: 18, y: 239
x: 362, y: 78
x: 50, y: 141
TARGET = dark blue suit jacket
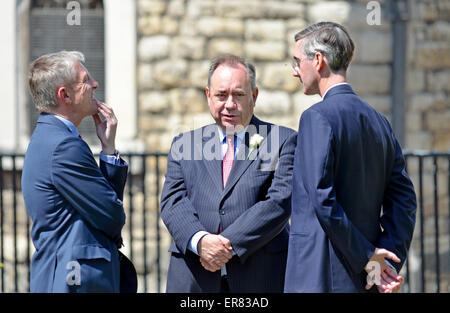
x: 350, y: 194
x: 76, y: 210
x: 253, y: 209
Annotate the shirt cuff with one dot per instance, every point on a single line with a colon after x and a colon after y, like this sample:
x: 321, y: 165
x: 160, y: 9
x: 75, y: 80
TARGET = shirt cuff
x: 390, y: 265
x: 111, y: 159
x: 195, y: 239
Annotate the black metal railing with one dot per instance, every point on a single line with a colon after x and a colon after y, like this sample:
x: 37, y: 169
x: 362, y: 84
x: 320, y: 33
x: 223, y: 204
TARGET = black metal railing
x: 144, y: 233
x: 429, y: 255
x: 146, y: 239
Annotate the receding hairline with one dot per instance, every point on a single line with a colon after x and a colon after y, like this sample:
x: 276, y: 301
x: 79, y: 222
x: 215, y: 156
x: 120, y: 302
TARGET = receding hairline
x: 233, y: 61
x: 231, y: 65
x: 238, y: 66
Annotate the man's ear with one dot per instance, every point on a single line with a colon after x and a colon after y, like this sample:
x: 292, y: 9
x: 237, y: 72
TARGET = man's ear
x: 319, y: 61
x: 62, y: 95
x: 255, y: 95
x: 208, y: 95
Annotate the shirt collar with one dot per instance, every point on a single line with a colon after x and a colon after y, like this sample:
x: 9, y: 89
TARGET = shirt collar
x: 239, y: 136
x: 344, y: 83
x: 73, y: 129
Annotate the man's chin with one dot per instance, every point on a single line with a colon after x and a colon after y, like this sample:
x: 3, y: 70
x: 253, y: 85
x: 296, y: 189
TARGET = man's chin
x: 93, y: 111
x: 308, y: 92
x: 233, y: 127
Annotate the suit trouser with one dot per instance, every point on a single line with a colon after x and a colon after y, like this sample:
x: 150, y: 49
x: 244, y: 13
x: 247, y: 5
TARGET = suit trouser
x: 224, y: 287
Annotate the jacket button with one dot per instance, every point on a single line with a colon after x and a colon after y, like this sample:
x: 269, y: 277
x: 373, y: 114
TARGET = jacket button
x: 222, y: 212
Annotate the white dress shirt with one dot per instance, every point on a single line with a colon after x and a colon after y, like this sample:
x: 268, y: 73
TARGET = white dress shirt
x: 345, y: 83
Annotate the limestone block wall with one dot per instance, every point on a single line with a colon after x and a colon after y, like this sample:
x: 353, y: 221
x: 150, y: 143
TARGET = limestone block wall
x: 177, y: 38
x: 428, y: 111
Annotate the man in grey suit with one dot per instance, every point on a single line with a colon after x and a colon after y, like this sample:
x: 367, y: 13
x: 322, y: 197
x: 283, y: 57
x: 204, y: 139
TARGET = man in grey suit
x: 226, y: 197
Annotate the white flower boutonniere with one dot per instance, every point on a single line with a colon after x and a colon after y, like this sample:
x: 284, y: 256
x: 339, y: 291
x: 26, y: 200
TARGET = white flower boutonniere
x: 255, y: 141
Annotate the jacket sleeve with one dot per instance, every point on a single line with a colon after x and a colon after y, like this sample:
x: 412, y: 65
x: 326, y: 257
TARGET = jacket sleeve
x: 399, y: 210
x: 262, y: 222
x: 116, y: 175
x: 177, y: 211
x: 78, y: 178
x: 315, y: 148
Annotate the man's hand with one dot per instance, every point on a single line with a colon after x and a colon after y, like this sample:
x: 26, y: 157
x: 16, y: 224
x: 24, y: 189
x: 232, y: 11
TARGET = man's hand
x: 215, y: 251
x: 106, y: 130
x: 382, y: 274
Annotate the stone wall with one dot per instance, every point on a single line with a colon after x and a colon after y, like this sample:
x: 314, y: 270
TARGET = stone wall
x: 428, y: 116
x: 177, y: 38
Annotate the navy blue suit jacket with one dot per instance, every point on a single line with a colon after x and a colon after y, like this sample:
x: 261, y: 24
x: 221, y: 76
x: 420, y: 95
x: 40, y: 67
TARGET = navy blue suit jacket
x: 253, y: 209
x: 350, y: 194
x: 76, y: 210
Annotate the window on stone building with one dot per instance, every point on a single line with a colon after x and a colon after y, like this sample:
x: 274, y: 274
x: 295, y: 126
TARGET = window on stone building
x: 50, y: 32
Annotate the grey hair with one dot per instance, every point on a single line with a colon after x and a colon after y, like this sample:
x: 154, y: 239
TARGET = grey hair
x: 48, y: 73
x: 232, y: 60
x: 332, y: 40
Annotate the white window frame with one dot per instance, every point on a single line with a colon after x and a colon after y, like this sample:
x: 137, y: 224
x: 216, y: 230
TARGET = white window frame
x: 120, y: 73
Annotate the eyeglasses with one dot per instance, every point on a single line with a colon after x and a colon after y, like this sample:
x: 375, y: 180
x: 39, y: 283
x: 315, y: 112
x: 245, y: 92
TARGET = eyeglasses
x: 295, y: 63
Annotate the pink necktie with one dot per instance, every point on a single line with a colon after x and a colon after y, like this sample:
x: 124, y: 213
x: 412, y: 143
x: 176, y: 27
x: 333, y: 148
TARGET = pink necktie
x: 228, y: 159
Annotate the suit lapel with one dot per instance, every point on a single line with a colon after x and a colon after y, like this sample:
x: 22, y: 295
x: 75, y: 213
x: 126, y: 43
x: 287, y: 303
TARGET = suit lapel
x: 213, y: 162
x: 241, y: 163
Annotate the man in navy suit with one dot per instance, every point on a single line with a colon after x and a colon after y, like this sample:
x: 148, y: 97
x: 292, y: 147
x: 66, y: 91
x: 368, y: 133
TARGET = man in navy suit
x: 226, y: 199
x: 353, y: 205
x: 75, y: 205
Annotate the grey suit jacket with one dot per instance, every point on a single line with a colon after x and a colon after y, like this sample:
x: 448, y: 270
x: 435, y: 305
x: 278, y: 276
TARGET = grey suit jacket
x: 253, y: 209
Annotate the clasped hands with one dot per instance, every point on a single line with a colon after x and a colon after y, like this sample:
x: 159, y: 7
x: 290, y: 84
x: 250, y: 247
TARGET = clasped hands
x: 381, y: 274
x: 215, y: 251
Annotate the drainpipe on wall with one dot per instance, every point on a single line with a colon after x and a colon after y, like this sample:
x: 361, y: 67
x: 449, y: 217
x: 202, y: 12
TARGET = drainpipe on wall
x: 399, y: 13
x: 16, y: 77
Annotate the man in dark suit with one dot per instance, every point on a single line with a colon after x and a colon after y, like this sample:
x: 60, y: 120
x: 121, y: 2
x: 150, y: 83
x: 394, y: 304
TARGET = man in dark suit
x: 353, y: 205
x: 75, y: 205
x: 226, y: 197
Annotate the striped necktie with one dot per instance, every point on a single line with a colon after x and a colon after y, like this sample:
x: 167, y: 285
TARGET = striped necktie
x: 228, y: 160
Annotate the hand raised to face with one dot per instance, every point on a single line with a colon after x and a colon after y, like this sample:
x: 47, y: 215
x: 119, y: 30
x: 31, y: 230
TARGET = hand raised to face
x: 106, y: 129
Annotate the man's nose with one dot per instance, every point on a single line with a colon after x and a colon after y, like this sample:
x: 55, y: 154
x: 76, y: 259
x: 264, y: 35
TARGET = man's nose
x: 230, y: 103
x: 94, y: 83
